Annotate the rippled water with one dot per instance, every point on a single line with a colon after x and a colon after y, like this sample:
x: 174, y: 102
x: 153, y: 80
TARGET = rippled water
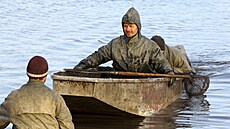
x: 65, y: 31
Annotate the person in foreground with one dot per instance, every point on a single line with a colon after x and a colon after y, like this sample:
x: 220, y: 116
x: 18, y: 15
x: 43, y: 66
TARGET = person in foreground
x: 176, y: 56
x: 131, y: 52
x: 34, y: 105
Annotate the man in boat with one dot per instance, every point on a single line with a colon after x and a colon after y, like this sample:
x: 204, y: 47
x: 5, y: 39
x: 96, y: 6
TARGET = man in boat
x: 129, y: 52
x: 180, y: 63
x: 176, y: 56
x: 35, y: 105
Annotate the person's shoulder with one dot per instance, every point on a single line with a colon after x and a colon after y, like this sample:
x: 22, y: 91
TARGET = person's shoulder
x: 121, y: 37
x: 173, y: 48
x: 15, y: 92
x: 117, y: 39
x: 49, y: 89
x: 177, y: 48
x: 52, y: 92
x: 148, y: 41
x: 180, y: 47
x: 145, y: 38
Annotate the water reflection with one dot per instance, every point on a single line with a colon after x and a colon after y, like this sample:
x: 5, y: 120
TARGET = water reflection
x: 106, y: 122
x: 180, y: 114
x: 198, y: 103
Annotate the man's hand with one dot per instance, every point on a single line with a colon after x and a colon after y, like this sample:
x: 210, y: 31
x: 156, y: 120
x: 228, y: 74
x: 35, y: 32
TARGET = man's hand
x: 172, y: 80
x: 171, y: 73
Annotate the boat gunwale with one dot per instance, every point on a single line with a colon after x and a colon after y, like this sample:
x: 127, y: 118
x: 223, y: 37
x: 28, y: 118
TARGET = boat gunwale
x: 88, y: 79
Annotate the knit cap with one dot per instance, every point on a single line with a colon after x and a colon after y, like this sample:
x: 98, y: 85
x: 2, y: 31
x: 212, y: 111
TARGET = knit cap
x: 37, y: 67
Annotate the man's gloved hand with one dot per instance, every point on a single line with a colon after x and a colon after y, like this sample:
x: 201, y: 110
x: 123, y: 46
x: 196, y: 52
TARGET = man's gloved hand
x: 171, y: 72
x: 172, y: 80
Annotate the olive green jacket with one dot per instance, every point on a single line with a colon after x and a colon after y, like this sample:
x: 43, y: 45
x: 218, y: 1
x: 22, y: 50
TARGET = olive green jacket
x: 178, y: 59
x: 136, y: 54
x: 35, y: 106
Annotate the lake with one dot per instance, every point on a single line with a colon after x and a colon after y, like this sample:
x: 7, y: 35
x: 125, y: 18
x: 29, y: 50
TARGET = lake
x: 64, y: 32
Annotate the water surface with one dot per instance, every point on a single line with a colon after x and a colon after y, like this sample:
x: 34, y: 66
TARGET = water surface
x: 64, y: 32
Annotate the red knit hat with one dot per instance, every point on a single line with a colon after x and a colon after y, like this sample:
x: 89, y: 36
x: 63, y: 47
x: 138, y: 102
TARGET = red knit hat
x: 37, y: 67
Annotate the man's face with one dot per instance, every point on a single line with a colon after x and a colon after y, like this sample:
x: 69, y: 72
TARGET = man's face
x: 130, y: 29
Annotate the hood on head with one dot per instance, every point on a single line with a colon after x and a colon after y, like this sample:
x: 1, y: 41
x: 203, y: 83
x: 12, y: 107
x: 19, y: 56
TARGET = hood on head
x: 132, y: 16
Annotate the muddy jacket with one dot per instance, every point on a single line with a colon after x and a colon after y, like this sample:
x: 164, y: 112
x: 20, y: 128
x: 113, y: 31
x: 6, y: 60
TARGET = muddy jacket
x: 35, y: 106
x: 178, y: 59
x: 136, y: 54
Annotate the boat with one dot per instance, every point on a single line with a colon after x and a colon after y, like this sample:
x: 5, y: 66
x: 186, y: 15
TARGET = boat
x: 108, y: 94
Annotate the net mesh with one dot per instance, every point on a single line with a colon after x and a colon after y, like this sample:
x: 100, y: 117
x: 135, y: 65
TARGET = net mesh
x: 196, y: 86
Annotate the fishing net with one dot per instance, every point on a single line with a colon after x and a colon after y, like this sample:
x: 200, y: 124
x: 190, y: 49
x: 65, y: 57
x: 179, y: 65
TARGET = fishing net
x: 196, y: 86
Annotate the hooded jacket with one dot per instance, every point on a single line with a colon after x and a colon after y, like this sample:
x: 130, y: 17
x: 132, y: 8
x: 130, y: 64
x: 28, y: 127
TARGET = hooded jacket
x: 136, y: 54
x: 132, y: 16
x: 178, y: 59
